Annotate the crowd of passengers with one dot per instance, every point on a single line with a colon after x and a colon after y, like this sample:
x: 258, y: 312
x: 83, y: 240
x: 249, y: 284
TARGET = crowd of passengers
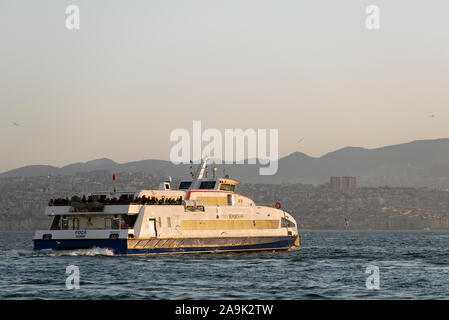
x: 122, y: 200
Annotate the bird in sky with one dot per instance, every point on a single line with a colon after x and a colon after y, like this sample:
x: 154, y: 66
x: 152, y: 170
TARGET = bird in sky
x: 16, y: 124
x: 300, y: 140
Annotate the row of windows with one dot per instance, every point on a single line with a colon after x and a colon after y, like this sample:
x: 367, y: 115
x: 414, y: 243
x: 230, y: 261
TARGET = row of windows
x: 227, y: 187
x: 185, y: 185
x: 285, y: 223
x: 207, y: 185
x: 64, y: 223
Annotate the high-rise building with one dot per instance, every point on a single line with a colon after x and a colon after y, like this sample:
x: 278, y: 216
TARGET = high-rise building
x: 348, y: 183
x: 335, y: 183
x: 343, y: 183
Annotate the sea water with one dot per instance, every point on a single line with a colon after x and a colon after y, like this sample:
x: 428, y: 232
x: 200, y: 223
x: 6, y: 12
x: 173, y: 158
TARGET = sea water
x: 328, y: 265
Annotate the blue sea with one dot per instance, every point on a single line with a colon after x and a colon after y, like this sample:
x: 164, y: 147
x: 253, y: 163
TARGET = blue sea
x: 328, y: 265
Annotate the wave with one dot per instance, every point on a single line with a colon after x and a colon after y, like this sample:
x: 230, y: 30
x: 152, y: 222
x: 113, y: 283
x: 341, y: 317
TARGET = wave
x: 83, y: 252
x: 14, y: 253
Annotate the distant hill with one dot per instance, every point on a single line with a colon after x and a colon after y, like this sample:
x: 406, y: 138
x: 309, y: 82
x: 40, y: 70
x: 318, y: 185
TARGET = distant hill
x: 417, y: 163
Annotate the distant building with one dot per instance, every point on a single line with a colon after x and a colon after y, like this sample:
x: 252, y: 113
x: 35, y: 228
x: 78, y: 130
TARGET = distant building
x: 343, y: 183
x: 335, y: 183
x: 348, y: 183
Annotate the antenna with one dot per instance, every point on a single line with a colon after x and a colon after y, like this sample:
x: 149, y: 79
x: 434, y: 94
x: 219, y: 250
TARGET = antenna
x: 199, y: 174
x: 202, y: 167
x: 225, y: 175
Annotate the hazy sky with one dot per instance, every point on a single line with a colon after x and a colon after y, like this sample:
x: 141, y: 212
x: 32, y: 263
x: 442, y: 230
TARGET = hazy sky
x: 136, y: 70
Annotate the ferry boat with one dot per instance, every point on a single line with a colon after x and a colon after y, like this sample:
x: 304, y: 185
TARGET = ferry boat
x: 201, y: 215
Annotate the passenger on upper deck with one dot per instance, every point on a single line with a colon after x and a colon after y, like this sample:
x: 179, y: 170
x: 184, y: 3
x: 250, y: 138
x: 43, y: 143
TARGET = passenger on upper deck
x: 144, y: 200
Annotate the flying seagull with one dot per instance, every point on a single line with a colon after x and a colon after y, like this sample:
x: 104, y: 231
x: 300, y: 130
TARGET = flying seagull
x: 301, y: 140
x: 16, y: 124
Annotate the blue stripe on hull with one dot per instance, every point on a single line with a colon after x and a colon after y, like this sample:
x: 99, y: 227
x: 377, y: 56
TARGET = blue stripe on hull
x: 120, y: 246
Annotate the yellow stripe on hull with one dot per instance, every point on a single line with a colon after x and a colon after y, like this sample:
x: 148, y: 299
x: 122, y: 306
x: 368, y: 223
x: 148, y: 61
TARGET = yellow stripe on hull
x: 229, y: 224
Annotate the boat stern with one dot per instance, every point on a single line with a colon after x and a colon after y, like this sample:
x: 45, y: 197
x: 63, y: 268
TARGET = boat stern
x: 115, y: 240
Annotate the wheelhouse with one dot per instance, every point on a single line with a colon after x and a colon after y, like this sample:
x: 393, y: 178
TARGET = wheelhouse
x: 209, y: 184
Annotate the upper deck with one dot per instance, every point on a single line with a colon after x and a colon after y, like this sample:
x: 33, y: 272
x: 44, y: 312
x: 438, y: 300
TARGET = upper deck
x: 207, y: 191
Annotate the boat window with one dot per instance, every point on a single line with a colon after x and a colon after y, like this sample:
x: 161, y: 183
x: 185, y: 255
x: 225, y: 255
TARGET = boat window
x: 130, y: 221
x: 229, y: 197
x: 285, y: 223
x: 115, y: 223
x: 227, y: 187
x: 75, y: 224
x: 55, y: 223
x: 65, y: 224
x: 185, y: 185
x: 207, y: 185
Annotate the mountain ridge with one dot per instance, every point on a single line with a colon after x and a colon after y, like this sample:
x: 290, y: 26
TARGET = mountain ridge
x: 405, y: 163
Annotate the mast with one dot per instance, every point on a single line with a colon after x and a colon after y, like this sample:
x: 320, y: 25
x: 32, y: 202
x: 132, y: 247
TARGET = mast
x: 199, y: 173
